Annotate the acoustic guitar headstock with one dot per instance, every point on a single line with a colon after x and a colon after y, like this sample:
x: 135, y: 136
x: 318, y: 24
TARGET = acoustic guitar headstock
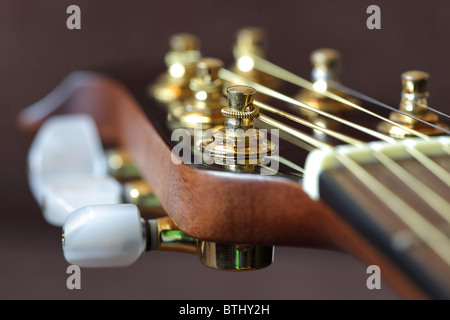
x: 246, y: 155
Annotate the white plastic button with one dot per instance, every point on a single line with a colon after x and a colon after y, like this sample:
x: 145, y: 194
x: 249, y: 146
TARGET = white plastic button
x: 66, y: 193
x: 64, y: 145
x: 104, y: 236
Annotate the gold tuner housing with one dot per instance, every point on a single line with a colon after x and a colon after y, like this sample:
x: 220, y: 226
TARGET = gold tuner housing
x: 203, y: 108
x: 134, y: 190
x: 238, y: 145
x: 140, y: 193
x: 325, y: 69
x: 121, y: 166
x: 227, y: 257
x: 235, y: 257
x: 414, y: 99
x: 252, y: 41
x: 180, y: 61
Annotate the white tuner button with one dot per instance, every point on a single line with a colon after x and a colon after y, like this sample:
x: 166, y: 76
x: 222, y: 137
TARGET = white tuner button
x: 64, y: 146
x: 67, y: 168
x: 65, y: 194
x: 104, y: 236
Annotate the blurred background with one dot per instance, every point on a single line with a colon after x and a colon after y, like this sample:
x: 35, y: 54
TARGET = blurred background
x: 38, y: 51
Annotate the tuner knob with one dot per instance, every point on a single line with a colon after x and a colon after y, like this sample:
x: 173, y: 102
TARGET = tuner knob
x: 67, y: 168
x: 67, y: 193
x: 116, y: 236
x: 64, y: 146
x: 104, y: 236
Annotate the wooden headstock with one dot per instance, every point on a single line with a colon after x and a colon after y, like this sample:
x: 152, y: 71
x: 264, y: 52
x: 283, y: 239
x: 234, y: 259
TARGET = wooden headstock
x: 206, y: 202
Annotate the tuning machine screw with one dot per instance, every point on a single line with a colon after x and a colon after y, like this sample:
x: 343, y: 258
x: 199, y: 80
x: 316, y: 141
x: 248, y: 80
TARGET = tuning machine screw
x: 68, y: 169
x: 180, y: 61
x: 252, y: 42
x: 414, y: 99
x: 116, y: 236
x: 325, y: 72
x: 239, y: 147
x: 203, y: 108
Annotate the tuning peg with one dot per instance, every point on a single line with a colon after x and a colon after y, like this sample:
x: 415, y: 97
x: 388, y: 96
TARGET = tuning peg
x: 326, y: 64
x: 180, y: 61
x: 68, y: 169
x: 66, y: 193
x: 117, y: 235
x: 203, y: 108
x: 65, y: 145
x: 104, y: 236
x: 414, y: 102
x: 252, y: 42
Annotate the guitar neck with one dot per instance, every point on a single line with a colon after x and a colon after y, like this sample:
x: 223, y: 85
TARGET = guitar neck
x: 398, y: 219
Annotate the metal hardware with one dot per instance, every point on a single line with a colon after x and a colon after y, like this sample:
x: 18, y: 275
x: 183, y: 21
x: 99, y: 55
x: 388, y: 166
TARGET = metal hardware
x: 163, y: 235
x: 251, y: 41
x: 180, y: 61
x: 235, y: 257
x: 326, y: 64
x: 414, y: 99
x: 135, y: 190
x: 140, y: 193
x: 240, y: 147
x: 121, y: 166
x: 203, y: 108
x: 238, y: 144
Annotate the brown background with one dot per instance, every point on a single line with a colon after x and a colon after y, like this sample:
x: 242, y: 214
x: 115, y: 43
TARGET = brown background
x: 37, y: 52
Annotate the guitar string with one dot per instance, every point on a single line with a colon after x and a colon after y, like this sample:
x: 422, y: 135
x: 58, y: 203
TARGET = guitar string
x: 428, y: 163
x: 421, y: 190
x: 440, y: 172
x: 309, y: 124
x: 433, y: 199
x: 231, y: 76
x: 361, y: 96
x: 426, y: 231
x: 276, y: 71
x: 283, y: 74
x: 412, y: 218
x: 295, y: 133
x: 384, y: 191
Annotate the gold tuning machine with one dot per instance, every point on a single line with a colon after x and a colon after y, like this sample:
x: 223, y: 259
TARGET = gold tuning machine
x: 134, y: 190
x: 180, y: 61
x: 325, y: 69
x: 238, y: 145
x: 235, y: 257
x: 140, y: 193
x: 414, y: 102
x: 252, y: 41
x: 227, y: 257
x: 203, y: 108
x: 121, y: 166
